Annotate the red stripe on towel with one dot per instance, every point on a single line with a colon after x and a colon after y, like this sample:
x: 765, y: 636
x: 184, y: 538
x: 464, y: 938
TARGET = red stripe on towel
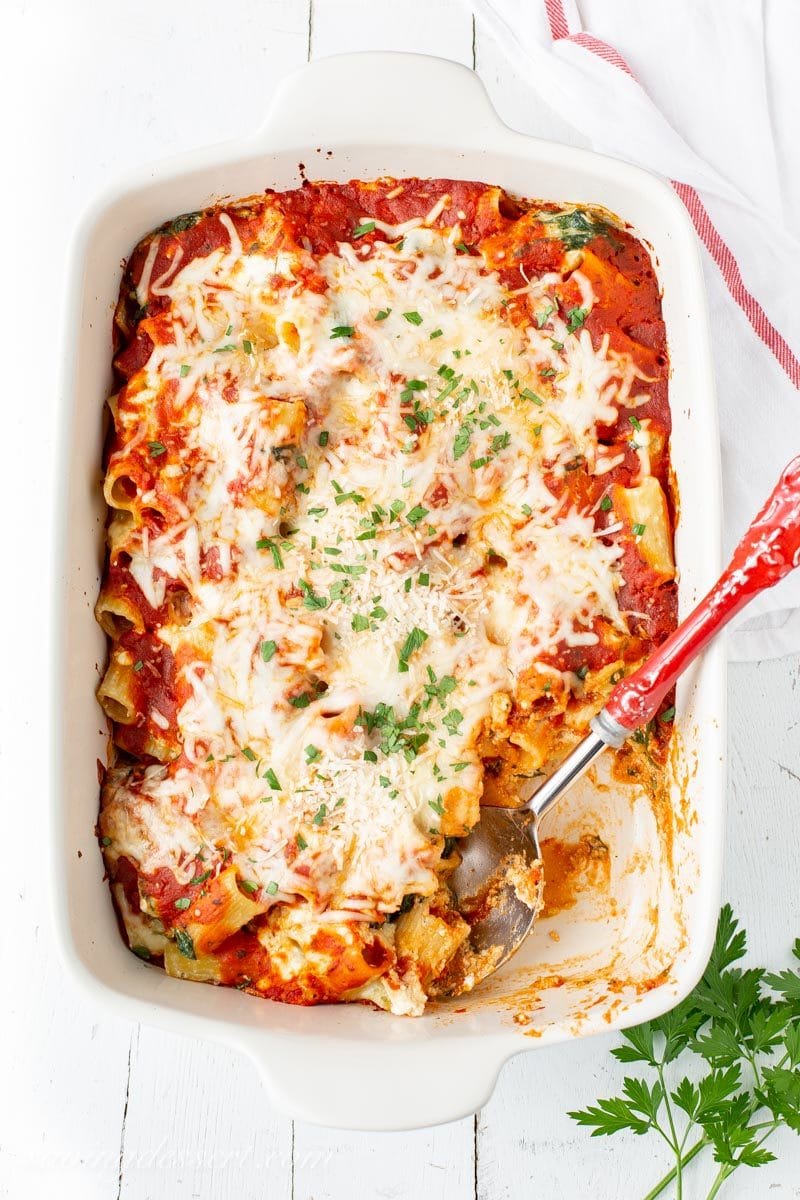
x: 707, y: 231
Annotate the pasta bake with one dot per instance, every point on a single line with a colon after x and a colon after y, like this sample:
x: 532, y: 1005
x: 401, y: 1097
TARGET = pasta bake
x: 389, y: 516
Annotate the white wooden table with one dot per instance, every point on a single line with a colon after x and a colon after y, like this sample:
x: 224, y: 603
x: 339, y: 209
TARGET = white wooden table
x: 90, y: 1107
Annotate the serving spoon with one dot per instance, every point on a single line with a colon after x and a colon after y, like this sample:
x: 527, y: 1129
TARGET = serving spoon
x: 498, y: 883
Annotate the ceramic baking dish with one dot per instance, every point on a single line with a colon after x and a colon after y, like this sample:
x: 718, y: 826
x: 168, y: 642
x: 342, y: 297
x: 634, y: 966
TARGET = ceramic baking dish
x: 618, y: 956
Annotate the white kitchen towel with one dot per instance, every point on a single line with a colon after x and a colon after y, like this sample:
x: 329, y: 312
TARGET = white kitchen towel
x: 705, y: 94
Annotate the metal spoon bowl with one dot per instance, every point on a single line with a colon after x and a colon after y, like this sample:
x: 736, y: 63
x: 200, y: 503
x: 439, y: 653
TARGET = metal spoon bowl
x: 498, y: 884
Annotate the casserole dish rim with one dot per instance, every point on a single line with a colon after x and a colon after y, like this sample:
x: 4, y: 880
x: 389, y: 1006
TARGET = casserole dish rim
x: 296, y: 125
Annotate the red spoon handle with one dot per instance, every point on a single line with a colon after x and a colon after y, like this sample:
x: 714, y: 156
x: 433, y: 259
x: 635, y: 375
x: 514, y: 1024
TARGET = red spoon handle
x: 769, y: 550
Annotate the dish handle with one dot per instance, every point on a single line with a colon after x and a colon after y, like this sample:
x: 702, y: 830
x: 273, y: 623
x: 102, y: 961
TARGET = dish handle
x: 390, y: 98
x: 374, y: 1086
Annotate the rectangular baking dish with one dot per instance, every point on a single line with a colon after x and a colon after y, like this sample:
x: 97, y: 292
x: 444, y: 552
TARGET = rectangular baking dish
x: 612, y: 959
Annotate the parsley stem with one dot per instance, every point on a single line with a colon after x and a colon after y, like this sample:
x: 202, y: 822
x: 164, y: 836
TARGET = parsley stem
x: 751, y: 1058
x: 722, y: 1175
x: 668, y: 1178
x: 676, y: 1146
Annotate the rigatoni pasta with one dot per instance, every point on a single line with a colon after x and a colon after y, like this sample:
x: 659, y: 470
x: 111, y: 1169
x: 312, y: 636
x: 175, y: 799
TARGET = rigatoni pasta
x: 389, y: 516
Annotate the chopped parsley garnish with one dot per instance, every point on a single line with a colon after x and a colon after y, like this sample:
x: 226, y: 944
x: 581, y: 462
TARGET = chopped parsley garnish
x: 268, y: 650
x: 437, y: 806
x: 342, y: 331
x: 543, y: 317
x: 383, y: 314
x: 638, y: 529
x: 342, y: 497
x: 310, y: 598
x: 401, y: 735
x: 413, y: 318
x: 224, y: 349
x: 576, y: 318
x: 416, y: 514
x: 183, y: 941
x: 527, y: 394
x: 320, y: 815
x: 247, y: 346
x: 272, y: 780
x: 348, y: 568
x: 415, y: 385
x: 416, y: 638
x: 137, y: 666
x: 359, y: 623
x: 141, y: 952
x: 156, y: 449
x: 605, y: 504
x: 300, y: 701
x: 365, y: 227
x: 301, y: 842
x: 198, y: 879
x: 182, y: 903
x: 323, y: 438
x: 461, y: 441
x: 668, y: 715
x: 312, y: 753
x: 582, y: 672
x: 437, y: 333
x: 271, y: 888
x: 453, y: 381
x: 527, y: 510
x: 438, y: 689
x: 453, y: 720
x: 268, y: 544
x: 249, y: 754
x: 635, y: 422
x: 185, y: 369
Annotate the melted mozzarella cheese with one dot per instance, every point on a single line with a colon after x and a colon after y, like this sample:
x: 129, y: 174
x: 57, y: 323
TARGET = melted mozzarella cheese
x: 341, y: 659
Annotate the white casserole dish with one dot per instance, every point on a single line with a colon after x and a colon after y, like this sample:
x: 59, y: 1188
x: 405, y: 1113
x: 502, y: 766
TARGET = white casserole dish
x: 349, y: 1066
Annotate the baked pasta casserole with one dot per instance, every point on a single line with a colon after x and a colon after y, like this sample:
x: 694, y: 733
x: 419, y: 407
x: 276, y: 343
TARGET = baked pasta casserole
x: 389, y: 516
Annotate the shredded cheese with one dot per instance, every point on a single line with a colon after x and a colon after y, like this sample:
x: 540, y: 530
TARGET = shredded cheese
x: 341, y: 442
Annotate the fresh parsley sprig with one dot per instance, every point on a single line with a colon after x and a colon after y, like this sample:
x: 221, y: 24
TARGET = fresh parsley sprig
x: 744, y: 1028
